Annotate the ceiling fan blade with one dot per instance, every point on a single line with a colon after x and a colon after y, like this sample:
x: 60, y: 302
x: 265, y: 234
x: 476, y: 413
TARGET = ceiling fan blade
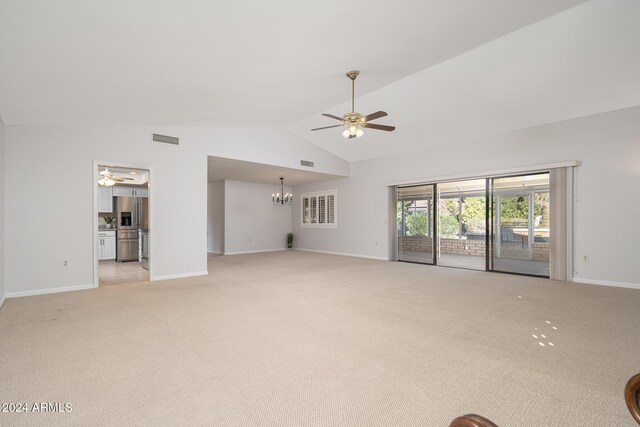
x: 374, y: 116
x: 332, y: 116
x: 327, y: 127
x: 379, y: 127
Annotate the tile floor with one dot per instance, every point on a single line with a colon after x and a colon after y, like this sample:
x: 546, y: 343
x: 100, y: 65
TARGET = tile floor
x: 116, y: 273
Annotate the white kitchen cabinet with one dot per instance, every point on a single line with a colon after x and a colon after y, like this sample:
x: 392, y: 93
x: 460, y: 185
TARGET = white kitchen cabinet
x: 130, y: 191
x: 105, y: 199
x: 106, y: 245
x: 141, y: 192
x: 122, y: 191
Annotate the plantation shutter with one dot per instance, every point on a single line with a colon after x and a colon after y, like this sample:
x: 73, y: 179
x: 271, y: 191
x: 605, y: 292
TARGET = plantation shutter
x: 305, y: 210
x: 331, y: 206
x: 314, y: 210
x: 319, y: 209
x: 322, y: 209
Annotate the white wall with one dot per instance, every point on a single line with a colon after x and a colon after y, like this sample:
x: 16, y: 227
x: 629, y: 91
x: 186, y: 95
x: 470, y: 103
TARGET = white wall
x: 215, y: 217
x: 50, y: 184
x: 2, y: 210
x: 252, y: 223
x: 607, y: 204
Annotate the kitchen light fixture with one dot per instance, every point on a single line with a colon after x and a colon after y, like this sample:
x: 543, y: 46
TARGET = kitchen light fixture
x: 281, y: 199
x: 106, y: 179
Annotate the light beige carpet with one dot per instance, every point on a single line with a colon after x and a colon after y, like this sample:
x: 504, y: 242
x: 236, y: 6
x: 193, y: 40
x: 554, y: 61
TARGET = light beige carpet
x: 296, y: 338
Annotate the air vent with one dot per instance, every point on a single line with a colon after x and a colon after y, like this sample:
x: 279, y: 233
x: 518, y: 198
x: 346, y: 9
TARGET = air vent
x: 306, y: 163
x: 166, y: 139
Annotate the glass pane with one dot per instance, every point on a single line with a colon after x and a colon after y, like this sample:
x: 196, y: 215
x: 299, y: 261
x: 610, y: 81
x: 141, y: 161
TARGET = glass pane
x: 520, y: 218
x: 415, y: 223
x: 462, y: 224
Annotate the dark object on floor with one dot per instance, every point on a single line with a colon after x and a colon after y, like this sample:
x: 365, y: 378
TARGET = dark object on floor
x: 632, y: 397
x: 471, y: 420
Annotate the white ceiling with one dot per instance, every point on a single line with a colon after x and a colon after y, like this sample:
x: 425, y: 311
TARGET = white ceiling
x: 130, y: 175
x: 220, y: 168
x: 580, y: 62
x: 250, y: 62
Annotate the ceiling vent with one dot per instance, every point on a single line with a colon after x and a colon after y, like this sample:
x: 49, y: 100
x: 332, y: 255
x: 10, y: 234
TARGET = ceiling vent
x: 306, y: 163
x: 166, y: 139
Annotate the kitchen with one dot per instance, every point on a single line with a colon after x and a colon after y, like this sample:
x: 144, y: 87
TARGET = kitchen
x: 123, y: 225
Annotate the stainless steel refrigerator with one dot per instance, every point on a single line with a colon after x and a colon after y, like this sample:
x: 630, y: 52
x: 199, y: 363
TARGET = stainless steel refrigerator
x: 133, y: 218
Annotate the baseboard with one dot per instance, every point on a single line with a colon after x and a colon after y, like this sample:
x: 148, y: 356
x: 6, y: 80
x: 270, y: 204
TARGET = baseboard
x: 49, y: 291
x: 344, y: 254
x: 606, y: 283
x: 255, y: 252
x: 2, y: 300
x: 215, y: 253
x: 179, y: 276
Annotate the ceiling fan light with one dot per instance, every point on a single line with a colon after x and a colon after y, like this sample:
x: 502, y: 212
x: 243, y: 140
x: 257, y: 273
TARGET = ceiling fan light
x: 106, y: 181
x: 346, y: 133
x: 359, y: 133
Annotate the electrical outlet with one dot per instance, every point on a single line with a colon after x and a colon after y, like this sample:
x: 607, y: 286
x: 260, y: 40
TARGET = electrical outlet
x: 585, y: 258
x: 65, y: 263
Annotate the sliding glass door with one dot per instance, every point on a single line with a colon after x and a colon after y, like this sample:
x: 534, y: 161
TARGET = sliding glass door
x: 462, y: 224
x: 520, y: 216
x: 494, y: 224
x: 415, y: 207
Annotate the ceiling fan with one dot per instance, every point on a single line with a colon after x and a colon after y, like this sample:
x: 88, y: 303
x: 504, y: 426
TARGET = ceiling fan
x: 354, y: 122
x: 107, y: 179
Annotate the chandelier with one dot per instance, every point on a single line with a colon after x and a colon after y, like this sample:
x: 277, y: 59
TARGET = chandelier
x: 281, y: 199
x: 106, y: 179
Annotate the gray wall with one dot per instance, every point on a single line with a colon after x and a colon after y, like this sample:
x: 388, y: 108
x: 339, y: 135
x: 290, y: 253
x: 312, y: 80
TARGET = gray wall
x: 252, y: 223
x: 2, y: 215
x: 215, y: 217
x: 607, y: 205
x: 50, y: 185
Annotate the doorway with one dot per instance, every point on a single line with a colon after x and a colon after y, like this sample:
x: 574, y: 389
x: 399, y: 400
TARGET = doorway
x: 122, y: 224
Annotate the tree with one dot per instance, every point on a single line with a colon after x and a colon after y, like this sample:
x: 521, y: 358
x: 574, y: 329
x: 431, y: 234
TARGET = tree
x: 473, y: 214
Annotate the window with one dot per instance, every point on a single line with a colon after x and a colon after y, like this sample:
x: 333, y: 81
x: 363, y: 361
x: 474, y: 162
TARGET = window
x: 319, y: 209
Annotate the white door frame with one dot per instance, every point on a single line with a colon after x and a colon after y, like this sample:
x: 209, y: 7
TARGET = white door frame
x: 94, y: 234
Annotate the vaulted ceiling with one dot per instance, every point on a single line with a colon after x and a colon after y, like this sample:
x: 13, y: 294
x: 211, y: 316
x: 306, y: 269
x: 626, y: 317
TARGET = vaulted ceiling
x: 444, y: 70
